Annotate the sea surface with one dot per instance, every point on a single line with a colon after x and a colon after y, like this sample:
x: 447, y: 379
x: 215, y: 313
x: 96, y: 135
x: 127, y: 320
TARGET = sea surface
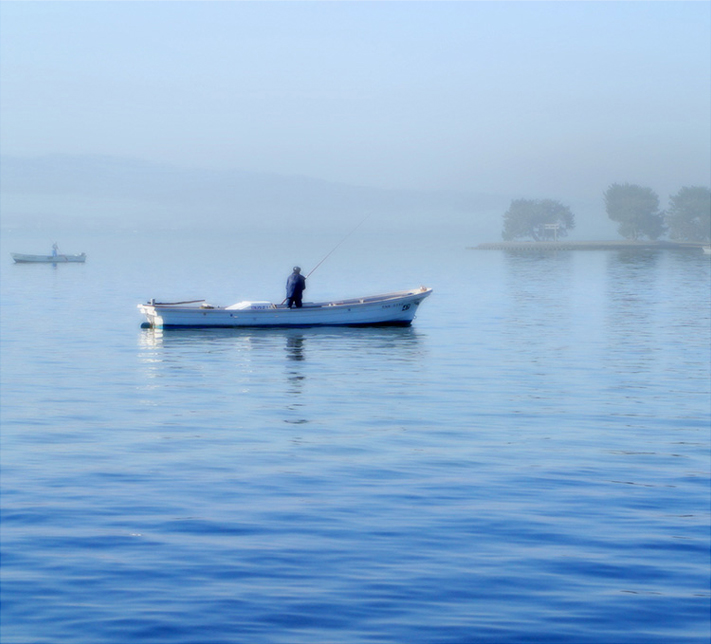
x: 529, y: 462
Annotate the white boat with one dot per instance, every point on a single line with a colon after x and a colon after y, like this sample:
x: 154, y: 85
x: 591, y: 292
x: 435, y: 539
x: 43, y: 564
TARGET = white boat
x: 389, y: 309
x: 707, y: 250
x: 48, y: 259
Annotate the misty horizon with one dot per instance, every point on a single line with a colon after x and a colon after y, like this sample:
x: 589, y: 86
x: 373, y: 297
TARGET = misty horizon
x: 97, y: 191
x: 426, y: 113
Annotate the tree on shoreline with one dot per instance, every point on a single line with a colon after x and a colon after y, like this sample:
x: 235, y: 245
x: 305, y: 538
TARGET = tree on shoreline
x: 529, y: 218
x: 689, y: 214
x: 636, y: 209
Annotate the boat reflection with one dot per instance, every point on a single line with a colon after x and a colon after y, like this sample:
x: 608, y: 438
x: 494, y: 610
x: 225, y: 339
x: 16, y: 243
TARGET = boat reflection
x: 293, y: 339
x: 295, y: 347
x: 296, y: 378
x: 290, y: 374
x: 259, y: 350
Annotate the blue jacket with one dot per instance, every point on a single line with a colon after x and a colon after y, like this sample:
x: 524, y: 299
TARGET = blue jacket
x: 295, y: 285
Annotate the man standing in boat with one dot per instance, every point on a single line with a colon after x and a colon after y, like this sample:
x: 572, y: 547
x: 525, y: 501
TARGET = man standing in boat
x: 295, y: 286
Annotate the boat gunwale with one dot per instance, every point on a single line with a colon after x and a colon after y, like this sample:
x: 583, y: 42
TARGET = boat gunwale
x: 307, y: 306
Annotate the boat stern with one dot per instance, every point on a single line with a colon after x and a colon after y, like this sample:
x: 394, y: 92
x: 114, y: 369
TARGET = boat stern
x: 153, y: 320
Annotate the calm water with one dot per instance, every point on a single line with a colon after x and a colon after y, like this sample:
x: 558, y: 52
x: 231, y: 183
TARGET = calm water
x: 528, y: 463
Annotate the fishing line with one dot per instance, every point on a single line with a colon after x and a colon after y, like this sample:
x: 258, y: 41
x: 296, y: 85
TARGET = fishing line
x: 338, y: 244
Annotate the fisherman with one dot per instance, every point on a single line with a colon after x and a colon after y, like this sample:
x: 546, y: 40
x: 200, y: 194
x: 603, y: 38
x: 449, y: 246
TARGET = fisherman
x: 295, y: 286
x: 55, y: 249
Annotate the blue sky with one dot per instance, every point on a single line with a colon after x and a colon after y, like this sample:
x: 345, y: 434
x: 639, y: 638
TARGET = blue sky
x: 525, y: 98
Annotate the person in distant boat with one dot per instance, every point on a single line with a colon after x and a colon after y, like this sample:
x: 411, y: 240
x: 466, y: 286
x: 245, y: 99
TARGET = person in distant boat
x: 55, y: 248
x: 295, y: 286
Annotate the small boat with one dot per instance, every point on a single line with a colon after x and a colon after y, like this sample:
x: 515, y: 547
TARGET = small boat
x: 55, y: 258
x: 707, y: 250
x: 48, y: 259
x: 389, y: 309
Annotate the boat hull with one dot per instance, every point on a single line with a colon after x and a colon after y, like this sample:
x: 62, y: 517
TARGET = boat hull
x: 48, y: 259
x: 390, y: 309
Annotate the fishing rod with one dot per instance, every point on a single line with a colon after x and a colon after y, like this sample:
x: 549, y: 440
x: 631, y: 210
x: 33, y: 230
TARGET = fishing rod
x: 333, y: 250
x: 337, y: 245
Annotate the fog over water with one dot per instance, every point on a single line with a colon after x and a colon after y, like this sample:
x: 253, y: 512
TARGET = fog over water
x: 433, y: 114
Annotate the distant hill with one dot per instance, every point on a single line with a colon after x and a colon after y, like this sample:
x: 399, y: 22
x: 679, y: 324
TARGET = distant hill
x: 101, y: 188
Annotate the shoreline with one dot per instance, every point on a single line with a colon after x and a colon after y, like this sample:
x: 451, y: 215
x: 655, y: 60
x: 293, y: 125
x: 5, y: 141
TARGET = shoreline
x: 590, y: 245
